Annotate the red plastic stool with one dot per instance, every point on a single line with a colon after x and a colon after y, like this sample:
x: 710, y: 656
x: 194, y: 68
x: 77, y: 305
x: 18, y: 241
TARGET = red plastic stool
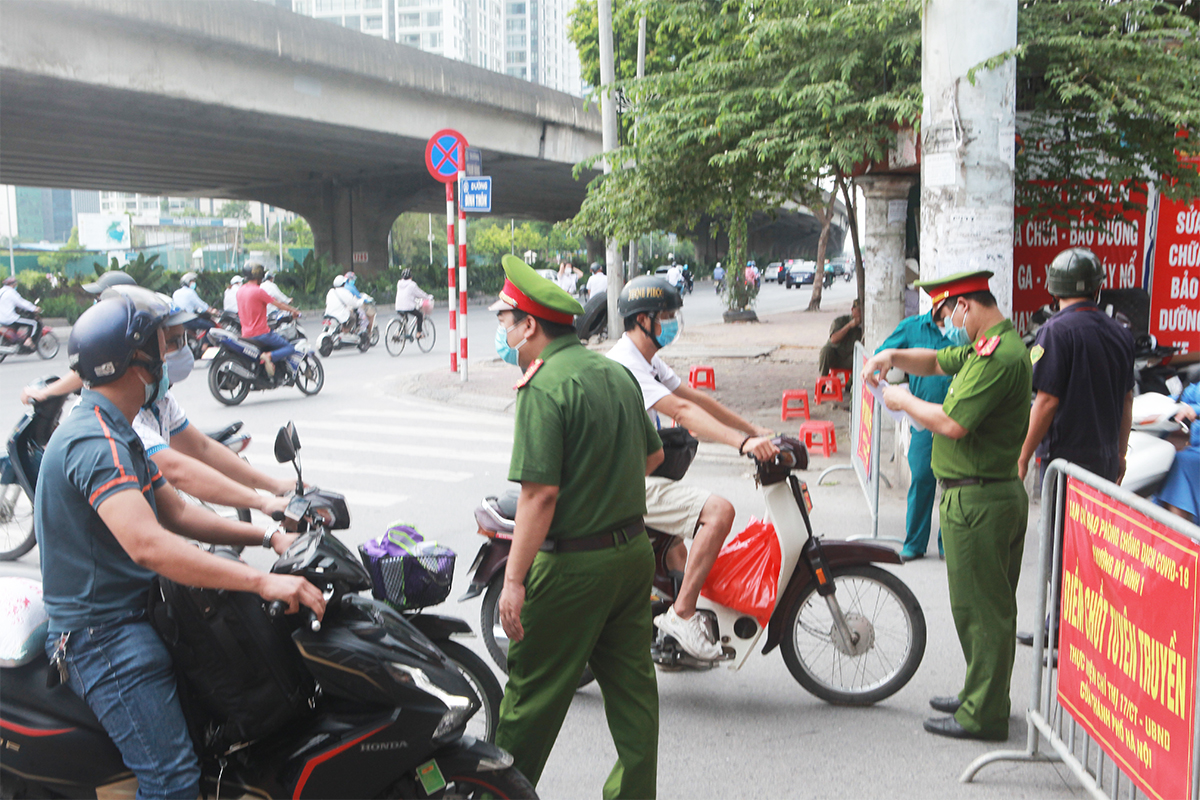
x: 842, y: 375
x: 798, y: 410
x: 819, y: 432
x: 828, y: 388
x: 702, y: 377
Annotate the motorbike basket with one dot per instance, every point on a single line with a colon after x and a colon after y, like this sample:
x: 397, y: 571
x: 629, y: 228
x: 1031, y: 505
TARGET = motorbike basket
x: 411, y: 581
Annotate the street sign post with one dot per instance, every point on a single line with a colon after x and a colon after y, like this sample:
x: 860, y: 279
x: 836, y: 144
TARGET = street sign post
x: 476, y: 195
x: 474, y: 162
x: 445, y: 158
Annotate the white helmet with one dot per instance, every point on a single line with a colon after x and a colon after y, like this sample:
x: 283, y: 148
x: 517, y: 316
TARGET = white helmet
x: 339, y: 281
x: 237, y: 280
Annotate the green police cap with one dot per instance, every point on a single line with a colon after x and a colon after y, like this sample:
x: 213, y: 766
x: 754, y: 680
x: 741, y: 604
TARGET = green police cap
x: 954, y: 285
x: 527, y: 291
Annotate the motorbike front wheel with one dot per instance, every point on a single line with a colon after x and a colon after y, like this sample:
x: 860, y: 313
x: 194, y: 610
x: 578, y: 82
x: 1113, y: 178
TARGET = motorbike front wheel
x: 483, y: 681
x: 225, y: 384
x: 494, y: 637
x: 47, y: 346
x: 890, y: 643
x: 16, y: 522
x: 311, y: 375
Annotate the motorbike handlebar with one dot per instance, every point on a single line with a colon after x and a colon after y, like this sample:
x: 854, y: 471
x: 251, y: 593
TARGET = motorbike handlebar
x: 277, y: 608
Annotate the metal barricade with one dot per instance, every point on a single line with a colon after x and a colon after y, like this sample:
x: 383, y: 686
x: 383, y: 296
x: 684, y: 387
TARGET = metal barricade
x: 1055, y: 735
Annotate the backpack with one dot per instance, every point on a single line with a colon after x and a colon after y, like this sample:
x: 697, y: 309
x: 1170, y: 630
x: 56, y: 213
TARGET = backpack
x: 238, y: 669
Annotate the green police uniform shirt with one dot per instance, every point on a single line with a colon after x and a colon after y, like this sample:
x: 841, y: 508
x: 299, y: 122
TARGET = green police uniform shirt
x: 581, y: 427
x: 990, y: 397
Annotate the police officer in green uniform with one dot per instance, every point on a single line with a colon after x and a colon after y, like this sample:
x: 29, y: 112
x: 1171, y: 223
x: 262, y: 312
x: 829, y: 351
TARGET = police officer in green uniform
x: 577, y: 584
x: 978, y: 432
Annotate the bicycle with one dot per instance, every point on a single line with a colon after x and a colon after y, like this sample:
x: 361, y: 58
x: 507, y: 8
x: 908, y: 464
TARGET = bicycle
x: 403, y: 329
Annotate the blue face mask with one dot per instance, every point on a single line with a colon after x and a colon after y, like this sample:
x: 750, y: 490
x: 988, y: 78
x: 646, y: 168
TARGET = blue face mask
x: 507, y: 353
x: 957, y: 335
x: 158, y: 390
x: 670, y: 330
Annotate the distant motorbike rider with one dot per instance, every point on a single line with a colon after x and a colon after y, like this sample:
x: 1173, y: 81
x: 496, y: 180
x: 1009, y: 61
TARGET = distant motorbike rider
x: 186, y: 298
x: 342, y: 305
x: 252, y: 302
x: 15, y: 312
x: 230, y: 302
x: 718, y: 278
x: 648, y: 305
x: 410, y: 298
x: 598, y: 282
x: 674, y: 273
x: 270, y: 287
x: 366, y: 317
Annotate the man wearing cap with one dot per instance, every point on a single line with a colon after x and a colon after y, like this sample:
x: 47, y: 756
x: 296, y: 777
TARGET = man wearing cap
x: 978, y: 432
x: 581, y: 567
x: 838, y: 352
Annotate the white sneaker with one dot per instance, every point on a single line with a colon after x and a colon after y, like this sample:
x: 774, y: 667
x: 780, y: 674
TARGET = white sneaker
x: 691, y: 634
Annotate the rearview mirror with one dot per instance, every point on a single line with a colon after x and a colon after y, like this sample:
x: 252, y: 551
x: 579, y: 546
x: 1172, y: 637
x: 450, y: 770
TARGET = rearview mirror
x: 287, y: 444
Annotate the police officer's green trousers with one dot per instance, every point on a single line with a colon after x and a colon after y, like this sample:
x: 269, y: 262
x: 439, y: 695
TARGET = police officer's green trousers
x: 983, y: 529
x: 583, y: 608
x: 922, y: 489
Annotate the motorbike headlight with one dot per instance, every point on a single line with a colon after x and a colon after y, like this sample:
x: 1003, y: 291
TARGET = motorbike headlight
x: 458, y: 708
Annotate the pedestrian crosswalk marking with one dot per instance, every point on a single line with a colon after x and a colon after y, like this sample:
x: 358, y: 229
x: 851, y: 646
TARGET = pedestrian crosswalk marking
x: 401, y: 473
x: 413, y: 413
x: 465, y: 434
x: 355, y: 497
x: 409, y: 450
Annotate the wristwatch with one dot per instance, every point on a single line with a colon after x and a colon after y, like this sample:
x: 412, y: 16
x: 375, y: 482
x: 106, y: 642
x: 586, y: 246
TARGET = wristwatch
x: 270, y: 534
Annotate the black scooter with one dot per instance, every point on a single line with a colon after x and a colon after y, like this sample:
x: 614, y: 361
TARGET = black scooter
x: 388, y: 721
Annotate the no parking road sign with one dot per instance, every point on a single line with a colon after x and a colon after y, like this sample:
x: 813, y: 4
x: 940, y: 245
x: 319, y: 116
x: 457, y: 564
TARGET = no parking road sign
x: 445, y: 155
x: 476, y: 195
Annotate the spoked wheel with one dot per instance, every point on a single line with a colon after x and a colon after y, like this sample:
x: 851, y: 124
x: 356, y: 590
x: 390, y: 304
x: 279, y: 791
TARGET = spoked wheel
x: 364, y: 342
x: 310, y: 377
x: 47, y: 346
x: 374, y: 335
x: 16, y: 522
x: 326, y: 346
x: 225, y: 384
x: 394, y: 338
x: 465, y: 779
x: 494, y: 637
x: 888, y: 647
x: 426, y: 341
x: 487, y: 689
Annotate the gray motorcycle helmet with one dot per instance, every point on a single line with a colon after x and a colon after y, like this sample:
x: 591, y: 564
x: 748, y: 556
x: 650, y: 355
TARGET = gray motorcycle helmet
x: 1075, y: 273
x: 113, y: 277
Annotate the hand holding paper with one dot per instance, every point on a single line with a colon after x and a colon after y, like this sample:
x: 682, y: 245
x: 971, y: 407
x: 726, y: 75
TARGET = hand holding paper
x: 878, y: 392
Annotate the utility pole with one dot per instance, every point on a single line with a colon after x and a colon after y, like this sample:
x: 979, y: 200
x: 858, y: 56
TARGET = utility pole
x: 9, y: 202
x: 641, y: 73
x: 608, y: 115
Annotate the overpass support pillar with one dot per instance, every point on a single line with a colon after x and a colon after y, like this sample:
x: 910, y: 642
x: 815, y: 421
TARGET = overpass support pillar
x: 885, y: 211
x: 351, y: 224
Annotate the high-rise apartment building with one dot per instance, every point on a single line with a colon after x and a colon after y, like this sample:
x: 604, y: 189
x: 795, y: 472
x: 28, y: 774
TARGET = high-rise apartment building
x: 524, y: 39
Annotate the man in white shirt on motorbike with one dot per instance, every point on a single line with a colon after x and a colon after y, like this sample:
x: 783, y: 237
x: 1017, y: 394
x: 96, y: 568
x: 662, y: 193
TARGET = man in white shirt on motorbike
x: 268, y: 286
x: 598, y: 282
x: 230, y: 301
x: 410, y: 298
x: 186, y: 299
x: 341, y: 304
x: 648, y: 306
x: 11, y: 306
x: 674, y: 273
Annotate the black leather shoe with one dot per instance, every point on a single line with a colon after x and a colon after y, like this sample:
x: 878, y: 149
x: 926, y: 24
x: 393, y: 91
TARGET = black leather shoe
x: 948, y: 726
x: 946, y: 705
x: 1025, y: 638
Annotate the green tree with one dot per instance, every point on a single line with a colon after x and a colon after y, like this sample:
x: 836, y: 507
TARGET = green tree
x: 56, y: 263
x: 297, y: 233
x: 253, y: 233
x: 235, y: 209
x: 145, y: 271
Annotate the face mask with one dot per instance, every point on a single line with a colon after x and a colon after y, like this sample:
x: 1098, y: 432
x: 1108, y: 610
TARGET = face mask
x: 179, y: 365
x: 670, y: 330
x: 957, y: 335
x: 157, y: 390
x: 192, y: 285
x: 507, y: 353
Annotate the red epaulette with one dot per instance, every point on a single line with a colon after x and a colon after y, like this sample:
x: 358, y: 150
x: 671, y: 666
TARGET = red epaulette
x: 985, y: 347
x: 529, y: 373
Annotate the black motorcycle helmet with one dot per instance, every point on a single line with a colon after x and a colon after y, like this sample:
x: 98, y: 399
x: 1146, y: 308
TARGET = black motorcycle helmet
x: 106, y: 336
x: 647, y: 294
x: 254, y: 272
x: 114, y: 277
x: 1075, y: 273
x: 406, y: 274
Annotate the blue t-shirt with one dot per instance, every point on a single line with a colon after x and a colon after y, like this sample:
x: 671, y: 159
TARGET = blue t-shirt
x: 920, y: 332
x: 87, y: 577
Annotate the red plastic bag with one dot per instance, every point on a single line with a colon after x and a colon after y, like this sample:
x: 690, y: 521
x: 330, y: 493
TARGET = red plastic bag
x: 745, y: 576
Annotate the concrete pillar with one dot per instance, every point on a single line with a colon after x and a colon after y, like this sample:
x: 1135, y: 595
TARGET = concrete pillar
x: 967, y: 138
x: 351, y: 218
x: 885, y: 209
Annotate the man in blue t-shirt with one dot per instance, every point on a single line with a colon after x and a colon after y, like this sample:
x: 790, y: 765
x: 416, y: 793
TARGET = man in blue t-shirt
x: 104, y: 518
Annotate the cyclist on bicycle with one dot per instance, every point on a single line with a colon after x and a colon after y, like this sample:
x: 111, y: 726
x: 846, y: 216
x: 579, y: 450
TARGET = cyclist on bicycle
x: 410, y: 298
x: 648, y: 305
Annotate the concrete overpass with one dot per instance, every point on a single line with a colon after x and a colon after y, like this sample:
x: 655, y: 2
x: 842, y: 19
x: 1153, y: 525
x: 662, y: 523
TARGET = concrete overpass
x: 232, y: 98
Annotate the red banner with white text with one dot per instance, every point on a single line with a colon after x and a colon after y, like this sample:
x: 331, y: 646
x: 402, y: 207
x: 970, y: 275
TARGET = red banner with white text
x: 1175, y: 289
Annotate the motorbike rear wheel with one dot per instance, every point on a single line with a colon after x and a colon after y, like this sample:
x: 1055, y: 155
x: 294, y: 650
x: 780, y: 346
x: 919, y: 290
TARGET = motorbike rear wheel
x: 494, y: 637
x: 326, y: 346
x: 311, y: 375
x: 226, y: 385
x: 891, y: 626
x: 47, y: 346
x: 483, y: 681
x: 16, y: 522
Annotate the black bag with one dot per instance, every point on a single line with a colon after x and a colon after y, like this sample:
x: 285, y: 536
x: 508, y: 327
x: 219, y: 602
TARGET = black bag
x: 236, y: 666
x: 679, y: 448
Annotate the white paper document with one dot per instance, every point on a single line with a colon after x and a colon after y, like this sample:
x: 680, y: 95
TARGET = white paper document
x: 899, y: 416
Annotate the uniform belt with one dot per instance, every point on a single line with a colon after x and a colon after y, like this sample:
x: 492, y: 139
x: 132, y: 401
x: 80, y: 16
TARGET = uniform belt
x: 600, y: 541
x: 954, y: 483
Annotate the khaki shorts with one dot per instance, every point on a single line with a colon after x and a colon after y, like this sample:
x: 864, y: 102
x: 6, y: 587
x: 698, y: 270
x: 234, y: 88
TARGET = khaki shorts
x: 673, y: 507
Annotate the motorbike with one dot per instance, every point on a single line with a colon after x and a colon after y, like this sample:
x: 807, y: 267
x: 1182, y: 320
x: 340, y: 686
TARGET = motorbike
x: 12, y: 341
x: 1150, y: 454
x: 388, y: 719
x: 230, y: 321
x: 851, y: 633
x: 235, y: 369
x: 335, y: 336
x: 18, y: 473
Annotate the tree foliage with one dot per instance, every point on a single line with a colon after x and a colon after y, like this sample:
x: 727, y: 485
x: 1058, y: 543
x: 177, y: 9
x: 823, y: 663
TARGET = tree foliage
x: 145, y: 272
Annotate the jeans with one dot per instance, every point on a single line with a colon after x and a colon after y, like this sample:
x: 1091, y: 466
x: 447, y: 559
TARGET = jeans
x: 124, y: 673
x: 279, y: 347
x: 198, y: 324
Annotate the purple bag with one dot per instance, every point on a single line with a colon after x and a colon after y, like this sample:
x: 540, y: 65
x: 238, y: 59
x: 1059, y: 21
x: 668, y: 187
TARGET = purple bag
x: 407, y: 571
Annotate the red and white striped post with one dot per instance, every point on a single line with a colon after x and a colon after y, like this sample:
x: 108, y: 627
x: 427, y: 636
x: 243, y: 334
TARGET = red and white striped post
x: 450, y: 276
x: 462, y: 279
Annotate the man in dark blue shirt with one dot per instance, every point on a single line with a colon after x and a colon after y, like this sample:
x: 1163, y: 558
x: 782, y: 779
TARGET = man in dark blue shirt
x: 1083, y: 368
x: 104, y: 518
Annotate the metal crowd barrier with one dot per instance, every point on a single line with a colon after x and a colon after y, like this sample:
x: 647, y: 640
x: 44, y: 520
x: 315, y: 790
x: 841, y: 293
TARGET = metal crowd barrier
x: 1054, y: 734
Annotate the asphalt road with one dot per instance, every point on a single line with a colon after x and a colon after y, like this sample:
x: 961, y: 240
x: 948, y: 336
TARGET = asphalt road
x: 755, y: 732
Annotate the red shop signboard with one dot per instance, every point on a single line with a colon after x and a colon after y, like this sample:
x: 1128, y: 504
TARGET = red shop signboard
x: 1175, y: 284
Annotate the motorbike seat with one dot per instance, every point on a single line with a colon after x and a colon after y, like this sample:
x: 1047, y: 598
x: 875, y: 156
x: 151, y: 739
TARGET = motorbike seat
x: 226, y: 432
x: 506, y: 504
x: 26, y: 687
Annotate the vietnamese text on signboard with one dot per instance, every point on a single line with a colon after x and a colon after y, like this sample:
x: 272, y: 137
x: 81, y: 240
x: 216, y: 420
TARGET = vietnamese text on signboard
x: 1127, y: 645
x: 1175, y: 292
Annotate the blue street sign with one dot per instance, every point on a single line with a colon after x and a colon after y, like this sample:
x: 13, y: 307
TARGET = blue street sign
x: 476, y: 195
x: 474, y: 162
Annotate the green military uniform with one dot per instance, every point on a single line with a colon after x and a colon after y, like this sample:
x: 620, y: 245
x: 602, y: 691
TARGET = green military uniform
x: 580, y: 426
x: 983, y: 524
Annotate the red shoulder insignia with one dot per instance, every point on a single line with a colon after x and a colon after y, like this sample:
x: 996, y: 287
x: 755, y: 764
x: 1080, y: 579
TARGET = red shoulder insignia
x: 529, y: 373
x: 985, y: 347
